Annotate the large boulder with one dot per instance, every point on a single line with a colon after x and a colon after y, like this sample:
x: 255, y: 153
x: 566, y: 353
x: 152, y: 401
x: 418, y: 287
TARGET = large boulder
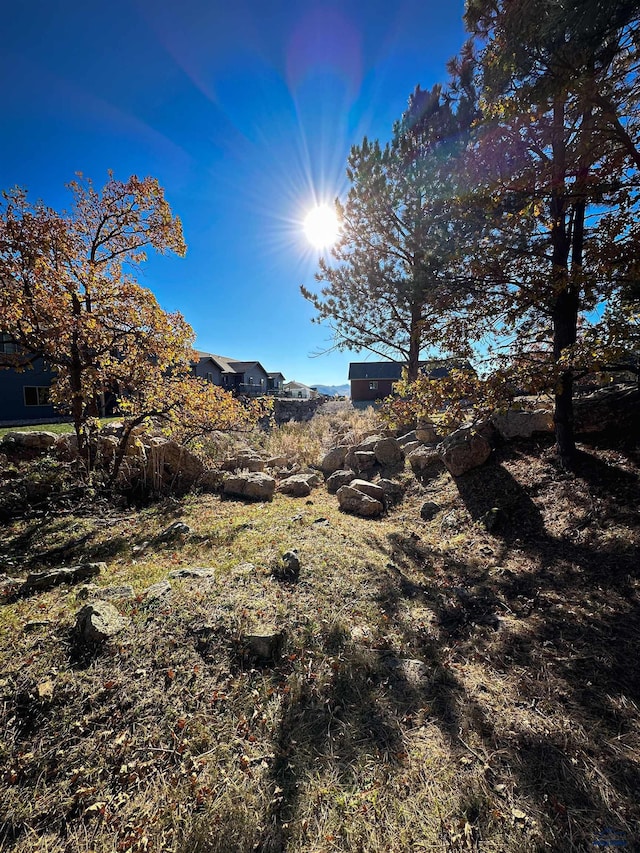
x: 367, y: 488
x: 360, y: 460
x: 520, y: 423
x: 334, y: 459
x: 426, y: 433
x: 36, y: 441
x: 245, y: 460
x: 613, y: 406
x: 388, y: 452
x: 338, y: 479
x: 170, y: 464
x: 358, y: 503
x: 254, y: 486
x: 463, y: 450
x: 298, y: 486
x: 68, y: 574
x: 98, y: 622
x: 393, y: 492
x: 425, y: 462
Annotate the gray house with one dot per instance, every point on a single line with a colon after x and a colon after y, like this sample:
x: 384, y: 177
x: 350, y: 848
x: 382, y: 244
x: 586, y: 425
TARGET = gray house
x: 242, y: 377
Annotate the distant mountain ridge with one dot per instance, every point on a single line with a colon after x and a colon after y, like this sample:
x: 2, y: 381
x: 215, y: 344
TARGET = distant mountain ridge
x: 332, y: 390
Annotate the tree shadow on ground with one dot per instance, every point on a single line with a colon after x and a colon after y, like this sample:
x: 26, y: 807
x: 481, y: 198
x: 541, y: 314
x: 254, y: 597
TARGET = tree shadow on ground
x: 560, y: 629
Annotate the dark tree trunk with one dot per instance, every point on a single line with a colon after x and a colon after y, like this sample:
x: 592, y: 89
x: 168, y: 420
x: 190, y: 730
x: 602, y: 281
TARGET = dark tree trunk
x: 75, y: 381
x: 415, y: 338
x: 565, y: 307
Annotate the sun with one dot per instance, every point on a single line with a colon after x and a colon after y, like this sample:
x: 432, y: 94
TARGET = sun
x: 321, y: 226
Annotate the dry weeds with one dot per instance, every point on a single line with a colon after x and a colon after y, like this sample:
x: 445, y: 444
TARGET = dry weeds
x: 515, y: 726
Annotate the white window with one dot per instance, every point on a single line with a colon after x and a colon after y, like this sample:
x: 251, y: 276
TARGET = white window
x: 373, y: 385
x: 36, y: 396
x: 210, y: 377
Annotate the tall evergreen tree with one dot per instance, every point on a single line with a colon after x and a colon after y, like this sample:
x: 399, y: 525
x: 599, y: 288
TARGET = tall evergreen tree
x: 554, y: 167
x: 389, y: 284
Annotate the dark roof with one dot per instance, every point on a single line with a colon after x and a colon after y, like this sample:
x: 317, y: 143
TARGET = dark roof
x: 277, y: 373
x: 242, y: 366
x: 375, y: 370
x: 435, y: 368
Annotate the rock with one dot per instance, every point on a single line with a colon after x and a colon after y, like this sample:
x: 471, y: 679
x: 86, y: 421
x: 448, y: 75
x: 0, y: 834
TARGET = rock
x: 93, y: 592
x: 615, y: 406
x: 67, y: 446
x: 463, y: 450
x: 170, y: 464
x: 255, y: 486
x: 368, y: 444
x: 520, y: 423
x: 156, y: 591
x: 339, y: 478
x: 388, y: 452
x: 414, y: 672
x: 356, y: 502
x: 199, y: 572
x: 53, y: 577
x: 36, y: 441
x: 276, y: 462
x: 425, y: 462
x: 297, y: 486
x: 368, y: 488
x: 289, y: 570
x: 245, y: 460
x: 176, y: 532
x: 265, y: 645
x: 10, y: 586
x: 211, y: 480
x: 410, y: 446
x: 36, y: 625
x: 426, y: 433
x: 393, y: 492
x: 360, y: 460
x: 313, y: 477
x: 98, y: 622
x: 107, y: 447
x: 334, y: 459
x: 429, y: 510
x: 407, y: 438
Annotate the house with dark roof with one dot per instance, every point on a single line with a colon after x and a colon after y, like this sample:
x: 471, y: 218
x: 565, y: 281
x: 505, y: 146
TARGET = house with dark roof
x: 275, y: 382
x: 374, y: 380
x: 241, y: 377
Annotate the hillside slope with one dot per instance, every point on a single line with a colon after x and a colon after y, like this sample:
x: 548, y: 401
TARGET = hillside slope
x: 436, y: 687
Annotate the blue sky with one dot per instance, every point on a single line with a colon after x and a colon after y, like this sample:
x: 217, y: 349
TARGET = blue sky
x: 245, y: 111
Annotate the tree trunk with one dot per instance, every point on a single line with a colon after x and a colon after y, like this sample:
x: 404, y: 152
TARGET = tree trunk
x: 75, y: 379
x: 565, y: 307
x: 415, y: 338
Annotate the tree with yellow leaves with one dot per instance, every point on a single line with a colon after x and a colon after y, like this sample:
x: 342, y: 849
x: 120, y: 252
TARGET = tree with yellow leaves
x: 69, y: 294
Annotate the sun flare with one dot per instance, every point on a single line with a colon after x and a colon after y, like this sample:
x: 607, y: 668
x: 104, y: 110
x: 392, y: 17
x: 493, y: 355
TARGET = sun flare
x: 321, y: 226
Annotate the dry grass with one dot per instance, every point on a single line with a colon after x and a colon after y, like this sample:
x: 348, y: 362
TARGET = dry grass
x: 335, y: 423
x: 515, y: 729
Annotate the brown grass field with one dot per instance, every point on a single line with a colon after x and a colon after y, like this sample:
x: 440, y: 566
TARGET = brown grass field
x: 441, y: 688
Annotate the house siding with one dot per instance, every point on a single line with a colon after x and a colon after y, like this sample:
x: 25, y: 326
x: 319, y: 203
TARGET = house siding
x: 12, y: 385
x: 205, y: 366
x: 360, y: 389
